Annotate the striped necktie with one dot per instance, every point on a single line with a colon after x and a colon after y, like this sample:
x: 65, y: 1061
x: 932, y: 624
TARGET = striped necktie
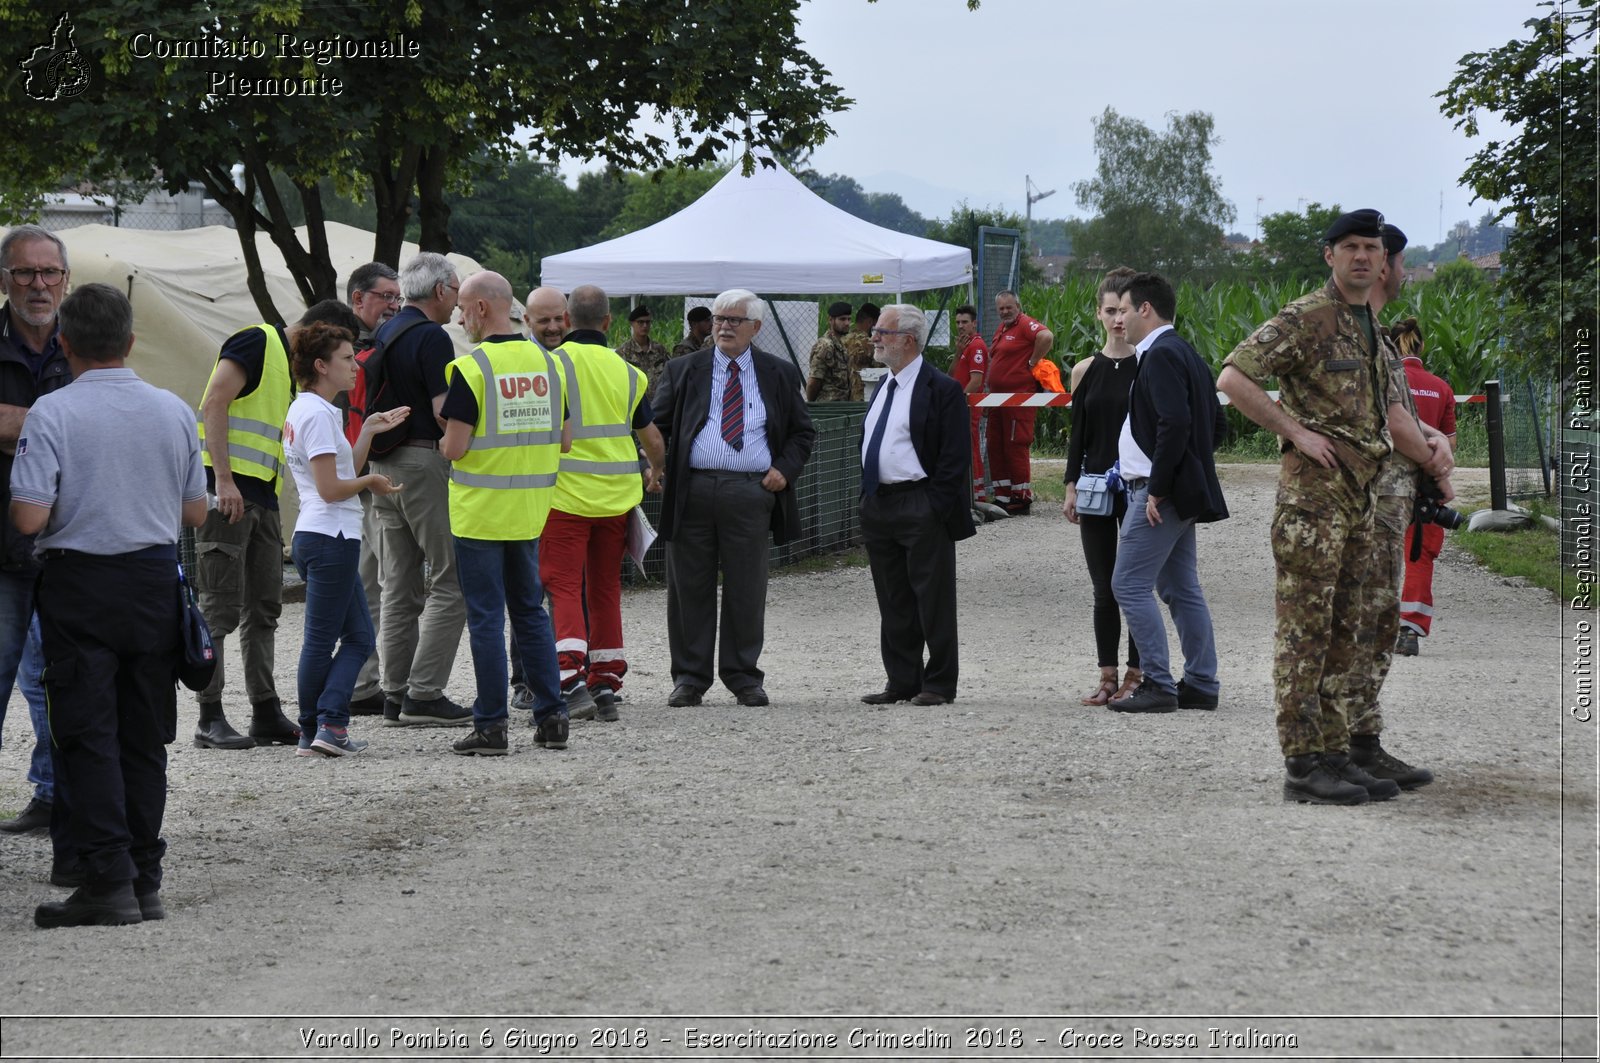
x: 733, y: 409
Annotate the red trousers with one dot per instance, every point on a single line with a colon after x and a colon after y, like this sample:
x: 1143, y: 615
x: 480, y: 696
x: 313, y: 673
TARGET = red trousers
x: 580, y: 564
x: 1010, y: 443
x: 977, y: 457
x: 1416, y: 594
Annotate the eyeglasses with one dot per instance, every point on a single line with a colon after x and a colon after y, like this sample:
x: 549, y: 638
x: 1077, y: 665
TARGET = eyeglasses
x: 735, y: 322
x: 392, y: 298
x: 891, y: 332
x: 24, y: 275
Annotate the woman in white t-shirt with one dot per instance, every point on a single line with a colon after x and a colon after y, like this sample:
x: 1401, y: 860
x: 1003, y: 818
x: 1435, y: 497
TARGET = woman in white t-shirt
x: 327, y: 535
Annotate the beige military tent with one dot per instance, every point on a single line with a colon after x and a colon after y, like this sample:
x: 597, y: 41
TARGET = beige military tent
x: 188, y: 289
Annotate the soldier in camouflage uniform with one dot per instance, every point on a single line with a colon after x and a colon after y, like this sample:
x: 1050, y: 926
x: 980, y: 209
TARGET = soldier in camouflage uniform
x: 830, y: 376
x: 641, y: 350
x: 699, y: 336
x: 858, y: 345
x: 1414, y: 455
x: 1336, y: 393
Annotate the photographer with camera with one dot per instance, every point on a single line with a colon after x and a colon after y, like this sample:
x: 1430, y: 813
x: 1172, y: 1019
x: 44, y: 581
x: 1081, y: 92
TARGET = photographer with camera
x: 1337, y: 395
x: 1436, y: 406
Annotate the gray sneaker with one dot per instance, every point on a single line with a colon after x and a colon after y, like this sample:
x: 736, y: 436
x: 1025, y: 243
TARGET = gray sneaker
x: 521, y: 697
x: 435, y: 712
x: 605, y: 705
x: 580, y: 703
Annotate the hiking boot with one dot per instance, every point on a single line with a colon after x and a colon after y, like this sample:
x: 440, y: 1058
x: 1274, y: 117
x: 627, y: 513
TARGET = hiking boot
x: 1349, y: 771
x: 1405, y: 645
x: 269, y: 726
x: 1367, y: 754
x: 336, y: 742
x: 605, y: 705
x: 490, y: 742
x: 580, y: 703
x: 35, y: 817
x: 151, y: 907
x: 551, y: 733
x: 113, y: 905
x: 434, y: 712
x: 1309, y: 781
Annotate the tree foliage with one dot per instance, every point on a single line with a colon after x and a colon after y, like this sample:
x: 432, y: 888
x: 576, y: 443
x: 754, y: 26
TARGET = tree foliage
x: 1291, y: 244
x: 567, y: 77
x: 1544, y: 87
x: 649, y: 198
x: 1157, y: 204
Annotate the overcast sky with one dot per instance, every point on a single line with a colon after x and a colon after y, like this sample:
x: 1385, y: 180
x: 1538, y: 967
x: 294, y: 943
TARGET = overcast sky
x: 1313, y: 101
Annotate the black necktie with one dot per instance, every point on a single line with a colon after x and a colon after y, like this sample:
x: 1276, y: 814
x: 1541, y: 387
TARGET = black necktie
x: 869, y: 463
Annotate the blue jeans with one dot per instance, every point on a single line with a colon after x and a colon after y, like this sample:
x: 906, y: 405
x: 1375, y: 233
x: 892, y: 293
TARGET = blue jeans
x: 499, y: 578
x: 22, y: 666
x: 1164, y: 558
x: 336, y: 612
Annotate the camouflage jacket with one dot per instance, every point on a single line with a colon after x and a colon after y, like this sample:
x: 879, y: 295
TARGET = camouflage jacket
x: 858, y: 345
x: 689, y: 345
x: 1398, y: 476
x: 652, y: 358
x: 1331, y: 382
x: 830, y: 363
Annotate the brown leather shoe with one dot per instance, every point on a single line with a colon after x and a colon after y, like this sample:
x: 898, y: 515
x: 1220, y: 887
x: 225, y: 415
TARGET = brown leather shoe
x: 929, y: 697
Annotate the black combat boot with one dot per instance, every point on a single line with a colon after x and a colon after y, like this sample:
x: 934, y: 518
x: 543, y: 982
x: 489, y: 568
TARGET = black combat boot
x: 1367, y: 754
x: 1309, y: 780
x: 268, y: 724
x: 1347, y: 769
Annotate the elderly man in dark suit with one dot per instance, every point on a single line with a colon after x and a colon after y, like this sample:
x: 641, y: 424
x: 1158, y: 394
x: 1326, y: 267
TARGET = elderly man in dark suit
x: 915, y: 456
x: 738, y: 434
x: 1165, y: 457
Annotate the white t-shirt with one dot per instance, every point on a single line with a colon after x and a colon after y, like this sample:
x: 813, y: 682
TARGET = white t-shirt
x: 313, y: 428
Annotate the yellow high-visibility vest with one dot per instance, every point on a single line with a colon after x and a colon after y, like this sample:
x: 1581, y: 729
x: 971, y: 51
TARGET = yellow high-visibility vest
x: 255, y: 421
x: 600, y: 474
x: 501, y: 488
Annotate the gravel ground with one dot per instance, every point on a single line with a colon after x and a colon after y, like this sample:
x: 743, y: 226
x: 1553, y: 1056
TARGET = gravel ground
x: 991, y: 864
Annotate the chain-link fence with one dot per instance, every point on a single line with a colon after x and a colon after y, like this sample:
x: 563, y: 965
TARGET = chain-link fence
x: 826, y: 494
x: 1527, y: 406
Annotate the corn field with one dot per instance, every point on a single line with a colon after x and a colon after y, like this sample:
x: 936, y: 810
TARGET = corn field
x: 1459, y: 325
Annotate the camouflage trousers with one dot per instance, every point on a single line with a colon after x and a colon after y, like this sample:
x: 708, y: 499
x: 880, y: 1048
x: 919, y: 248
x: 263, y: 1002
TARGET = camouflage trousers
x: 1319, y: 662
x: 1380, y: 623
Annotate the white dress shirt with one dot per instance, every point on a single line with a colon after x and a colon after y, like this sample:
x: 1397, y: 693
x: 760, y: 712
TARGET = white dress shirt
x: 897, y: 458
x: 1133, y: 462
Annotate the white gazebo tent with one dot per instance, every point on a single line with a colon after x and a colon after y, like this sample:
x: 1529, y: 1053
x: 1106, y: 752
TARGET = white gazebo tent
x: 768, y: 233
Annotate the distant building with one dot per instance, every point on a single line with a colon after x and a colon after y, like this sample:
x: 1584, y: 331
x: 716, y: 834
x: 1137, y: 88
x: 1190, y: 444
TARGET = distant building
x: 1490, y: 264
x: 158, y: 210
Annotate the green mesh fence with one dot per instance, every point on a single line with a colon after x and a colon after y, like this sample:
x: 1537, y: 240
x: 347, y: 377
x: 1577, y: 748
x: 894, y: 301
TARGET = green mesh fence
x: 826, y: 495
x: 1527, y: 407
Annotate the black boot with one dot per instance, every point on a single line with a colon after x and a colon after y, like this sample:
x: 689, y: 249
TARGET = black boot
x: 1371, y: 757
x: 1377, y: 789
x: 268, y: 724
x: 1309, y: 780
x: 109, y: 905
x: 214, y: 731
x: 35, y: 817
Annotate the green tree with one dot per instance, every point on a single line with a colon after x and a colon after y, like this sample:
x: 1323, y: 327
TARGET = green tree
x: 1545, y: 87
x: 651, y: 197
x: 879, y: 208
x: 402, y: 133
x: 1157, y: 204
x: 1291, y: 245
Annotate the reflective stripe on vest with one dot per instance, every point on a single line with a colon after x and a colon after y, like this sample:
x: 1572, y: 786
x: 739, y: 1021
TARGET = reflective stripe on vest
x: 501, y: 488
x: 600, y: 475
x: 255, y: 421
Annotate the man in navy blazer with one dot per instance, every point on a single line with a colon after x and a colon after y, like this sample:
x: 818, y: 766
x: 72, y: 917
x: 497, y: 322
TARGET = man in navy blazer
x: 738, y: 435
x: 1165, y: 458
x: 915, y: 456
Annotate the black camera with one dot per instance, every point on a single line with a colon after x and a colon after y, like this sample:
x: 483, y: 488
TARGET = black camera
x: 1429, y: 508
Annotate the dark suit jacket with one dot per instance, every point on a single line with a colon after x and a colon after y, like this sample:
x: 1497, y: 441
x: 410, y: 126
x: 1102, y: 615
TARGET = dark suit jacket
x: 682, y: 402
x: 941, y: 434
x: 1178, y: 421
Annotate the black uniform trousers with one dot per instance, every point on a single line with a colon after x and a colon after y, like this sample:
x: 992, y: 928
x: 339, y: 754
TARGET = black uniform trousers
x: 722, y: 526
x: 109, y: 628
x: 913, y: 563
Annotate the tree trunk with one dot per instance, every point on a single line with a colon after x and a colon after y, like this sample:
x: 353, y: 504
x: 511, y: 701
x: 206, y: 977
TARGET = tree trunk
x: 241, y: 206
x: 434, y: 209
x: 393, y: 176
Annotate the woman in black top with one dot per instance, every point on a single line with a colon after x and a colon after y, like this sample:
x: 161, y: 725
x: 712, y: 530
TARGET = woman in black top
x: 1100, y: 385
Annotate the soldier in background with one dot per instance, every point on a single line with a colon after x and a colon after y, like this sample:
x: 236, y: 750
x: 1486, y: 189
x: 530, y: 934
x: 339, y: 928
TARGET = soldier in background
x: 699, y: 319
x: 829, y: 379
x: 859, y: 346
x: 642, y: 351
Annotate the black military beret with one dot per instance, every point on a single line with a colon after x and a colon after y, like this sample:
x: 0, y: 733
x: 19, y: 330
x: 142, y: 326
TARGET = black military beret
x: 1394, y: 241
x: 699, y: 313
x: 839, y: 309
x: 1356, y: 222
x: 639, y: 311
